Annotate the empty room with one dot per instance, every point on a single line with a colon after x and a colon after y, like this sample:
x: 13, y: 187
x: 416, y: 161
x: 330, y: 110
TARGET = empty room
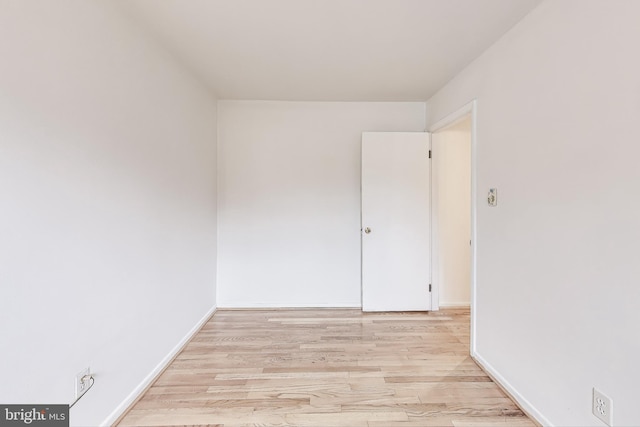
x: 319, y: 212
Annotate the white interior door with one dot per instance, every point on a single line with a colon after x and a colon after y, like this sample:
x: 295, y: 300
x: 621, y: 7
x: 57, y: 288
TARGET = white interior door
x: 396, y: 261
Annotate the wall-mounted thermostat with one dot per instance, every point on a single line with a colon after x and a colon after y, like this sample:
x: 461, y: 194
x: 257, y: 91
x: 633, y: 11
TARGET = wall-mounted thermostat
x: 492, y: 197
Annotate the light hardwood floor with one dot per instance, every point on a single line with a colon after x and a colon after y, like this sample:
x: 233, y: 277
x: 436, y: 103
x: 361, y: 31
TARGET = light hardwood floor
x: 327, y: 368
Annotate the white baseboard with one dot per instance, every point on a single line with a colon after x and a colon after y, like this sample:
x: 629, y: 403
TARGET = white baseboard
x: 520, y: 400
x: 462, y: 304
x: 285, y: 306
x: 149, y: 379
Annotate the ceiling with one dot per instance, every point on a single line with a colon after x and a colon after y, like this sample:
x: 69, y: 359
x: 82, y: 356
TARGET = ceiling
x: 327, y: 50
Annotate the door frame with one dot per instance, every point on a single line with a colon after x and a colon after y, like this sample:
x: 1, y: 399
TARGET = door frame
x: 456, y: 116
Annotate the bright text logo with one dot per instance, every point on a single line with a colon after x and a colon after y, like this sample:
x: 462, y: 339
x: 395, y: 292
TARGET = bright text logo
x: 34, y: 415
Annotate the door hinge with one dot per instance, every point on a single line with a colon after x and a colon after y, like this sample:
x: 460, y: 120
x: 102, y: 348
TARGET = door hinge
x: 429, y: 153
x: 429, y: 287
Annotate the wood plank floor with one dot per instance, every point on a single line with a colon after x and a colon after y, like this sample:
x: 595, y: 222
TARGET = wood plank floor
x: 327, y: 368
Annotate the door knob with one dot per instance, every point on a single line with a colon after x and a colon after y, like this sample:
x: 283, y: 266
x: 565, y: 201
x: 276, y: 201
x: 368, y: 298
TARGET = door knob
x: 367, y: 230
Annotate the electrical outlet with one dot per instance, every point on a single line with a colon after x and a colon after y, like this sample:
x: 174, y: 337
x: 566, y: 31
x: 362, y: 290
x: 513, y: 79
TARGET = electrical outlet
x: 82, y: 382
x: 602, y: 407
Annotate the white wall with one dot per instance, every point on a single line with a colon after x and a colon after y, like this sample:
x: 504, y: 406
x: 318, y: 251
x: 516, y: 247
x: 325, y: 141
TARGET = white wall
x: 557, y: 275
x: 107, y: 204
x: 451, y: 220
x: 289, y: 199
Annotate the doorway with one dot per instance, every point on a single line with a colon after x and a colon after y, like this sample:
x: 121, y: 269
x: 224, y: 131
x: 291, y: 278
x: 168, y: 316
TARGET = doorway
x: 454, y: 276
x: 451, y: 213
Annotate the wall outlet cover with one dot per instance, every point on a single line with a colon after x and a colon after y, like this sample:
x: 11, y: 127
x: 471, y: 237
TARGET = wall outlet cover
x: 81, y: 383
x: 602, y: 407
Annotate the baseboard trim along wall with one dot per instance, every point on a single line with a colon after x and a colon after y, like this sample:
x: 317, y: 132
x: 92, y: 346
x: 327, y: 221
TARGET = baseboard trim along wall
x: 455, y: 305
x: 285, y: 308
x: 117, y: 415
x: 274, y: 306
x: 520, y: 400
